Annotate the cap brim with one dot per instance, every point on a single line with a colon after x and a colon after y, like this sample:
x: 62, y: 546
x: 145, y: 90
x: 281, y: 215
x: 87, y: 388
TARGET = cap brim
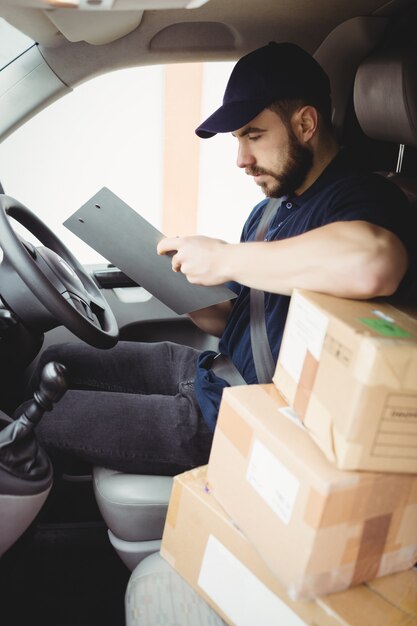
x: 230, y: 117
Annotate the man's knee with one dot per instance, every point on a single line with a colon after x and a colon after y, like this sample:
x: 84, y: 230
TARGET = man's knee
x: 56, y: 352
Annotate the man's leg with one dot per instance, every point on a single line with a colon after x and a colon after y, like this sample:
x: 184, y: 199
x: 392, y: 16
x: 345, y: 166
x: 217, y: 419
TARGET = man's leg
x: 131, y: 408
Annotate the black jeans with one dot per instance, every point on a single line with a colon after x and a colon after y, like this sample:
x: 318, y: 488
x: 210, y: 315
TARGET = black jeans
x: 131, y: 408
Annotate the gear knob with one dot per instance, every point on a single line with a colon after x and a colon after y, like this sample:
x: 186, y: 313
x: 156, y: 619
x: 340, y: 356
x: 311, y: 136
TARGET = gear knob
x: 53, y: 385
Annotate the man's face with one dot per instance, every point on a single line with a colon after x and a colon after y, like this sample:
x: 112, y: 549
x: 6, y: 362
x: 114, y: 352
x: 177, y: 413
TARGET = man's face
x: 272, y: 154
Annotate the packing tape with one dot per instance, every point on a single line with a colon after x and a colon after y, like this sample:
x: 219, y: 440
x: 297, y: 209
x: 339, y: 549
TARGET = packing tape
x: 371, y: 495
x: 305, y: 385
x: 235, y: 428
x: 371, y: 548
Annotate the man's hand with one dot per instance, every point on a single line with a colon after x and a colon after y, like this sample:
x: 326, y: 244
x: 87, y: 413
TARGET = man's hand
x: 201, y: 259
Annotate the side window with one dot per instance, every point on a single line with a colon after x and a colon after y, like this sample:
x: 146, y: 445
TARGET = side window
x: 133, y: 131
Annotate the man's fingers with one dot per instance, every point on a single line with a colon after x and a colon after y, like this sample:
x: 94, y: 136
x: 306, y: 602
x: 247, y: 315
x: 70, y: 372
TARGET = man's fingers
x: 176, y: 265
x: 169, y: 244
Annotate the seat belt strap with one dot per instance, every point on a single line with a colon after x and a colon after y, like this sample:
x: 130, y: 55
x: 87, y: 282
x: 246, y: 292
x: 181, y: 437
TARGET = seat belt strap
x: 261, y: 350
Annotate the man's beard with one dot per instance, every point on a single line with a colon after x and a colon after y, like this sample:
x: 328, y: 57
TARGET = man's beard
x: 299, y: 162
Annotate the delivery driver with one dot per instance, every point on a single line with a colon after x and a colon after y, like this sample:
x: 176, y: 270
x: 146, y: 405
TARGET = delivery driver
x: 152, y: 407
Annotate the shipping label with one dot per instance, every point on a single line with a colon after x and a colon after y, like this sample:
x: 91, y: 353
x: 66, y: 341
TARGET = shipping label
x: 233, y: 588
x: 305, y: 330
x: 276, y: 485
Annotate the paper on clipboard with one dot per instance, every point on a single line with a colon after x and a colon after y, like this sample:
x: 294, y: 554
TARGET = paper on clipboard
x: 127, y: 240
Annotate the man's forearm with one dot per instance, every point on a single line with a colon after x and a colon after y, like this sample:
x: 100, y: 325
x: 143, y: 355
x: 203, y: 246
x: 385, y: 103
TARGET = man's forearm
x: 212, y: 319
x: 346, y: 259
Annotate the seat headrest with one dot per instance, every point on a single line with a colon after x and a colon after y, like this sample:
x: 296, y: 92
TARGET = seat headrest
x: 385, y: 96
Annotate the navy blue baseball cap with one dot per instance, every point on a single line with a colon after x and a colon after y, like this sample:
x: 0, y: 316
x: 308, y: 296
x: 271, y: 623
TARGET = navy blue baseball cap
x: 274, y: 72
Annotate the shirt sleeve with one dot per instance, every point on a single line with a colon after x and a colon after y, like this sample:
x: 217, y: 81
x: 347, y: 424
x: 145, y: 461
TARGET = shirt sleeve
x: 372, y: 199
x: 378, y: 201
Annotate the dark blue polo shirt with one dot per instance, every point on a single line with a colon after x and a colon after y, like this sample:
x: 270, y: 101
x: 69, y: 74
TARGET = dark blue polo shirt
x: 341, y: 193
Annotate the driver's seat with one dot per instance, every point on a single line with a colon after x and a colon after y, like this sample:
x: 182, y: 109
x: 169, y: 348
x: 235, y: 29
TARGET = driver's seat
x: 134, y: 507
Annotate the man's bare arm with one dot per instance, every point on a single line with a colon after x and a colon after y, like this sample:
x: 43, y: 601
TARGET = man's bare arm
x: 347, y: 259
x: 212, y: 319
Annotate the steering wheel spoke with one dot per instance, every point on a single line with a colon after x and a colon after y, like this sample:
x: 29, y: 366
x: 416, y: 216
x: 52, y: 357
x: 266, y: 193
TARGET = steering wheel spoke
x: 93, y: 311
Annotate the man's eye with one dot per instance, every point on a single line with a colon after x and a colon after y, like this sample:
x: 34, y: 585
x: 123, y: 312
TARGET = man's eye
x: 253, y: 137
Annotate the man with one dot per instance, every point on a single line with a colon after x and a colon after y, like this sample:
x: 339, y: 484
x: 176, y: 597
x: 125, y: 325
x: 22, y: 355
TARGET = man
x: 152, y: 408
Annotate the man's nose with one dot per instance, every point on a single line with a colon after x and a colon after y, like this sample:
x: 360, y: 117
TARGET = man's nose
x: 244, y: 157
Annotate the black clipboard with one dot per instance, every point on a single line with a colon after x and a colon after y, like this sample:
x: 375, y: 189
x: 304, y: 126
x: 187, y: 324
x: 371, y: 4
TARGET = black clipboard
x: 128, y: 241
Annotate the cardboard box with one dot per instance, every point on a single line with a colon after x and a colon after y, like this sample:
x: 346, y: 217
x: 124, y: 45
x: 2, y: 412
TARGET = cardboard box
x: 349, y: 370
x: 319, y: 529
x: 213, y: 556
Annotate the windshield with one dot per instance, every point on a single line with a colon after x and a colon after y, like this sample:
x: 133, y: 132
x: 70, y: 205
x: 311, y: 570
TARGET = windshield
x: 12, y: 43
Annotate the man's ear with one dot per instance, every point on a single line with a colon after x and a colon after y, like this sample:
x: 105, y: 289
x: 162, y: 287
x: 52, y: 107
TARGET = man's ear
x: 304, y: 123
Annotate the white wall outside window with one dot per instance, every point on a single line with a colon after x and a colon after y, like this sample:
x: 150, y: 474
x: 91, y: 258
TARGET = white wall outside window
x: 227, y: 194
x: 109, y: 132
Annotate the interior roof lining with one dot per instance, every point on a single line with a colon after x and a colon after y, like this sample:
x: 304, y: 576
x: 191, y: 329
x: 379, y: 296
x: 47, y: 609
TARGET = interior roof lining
x: 300, y: 16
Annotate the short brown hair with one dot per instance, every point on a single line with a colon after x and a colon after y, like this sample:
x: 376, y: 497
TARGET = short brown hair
x: 285, y: 108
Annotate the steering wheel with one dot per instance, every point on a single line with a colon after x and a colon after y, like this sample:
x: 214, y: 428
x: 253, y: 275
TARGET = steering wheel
x: 46, y: 286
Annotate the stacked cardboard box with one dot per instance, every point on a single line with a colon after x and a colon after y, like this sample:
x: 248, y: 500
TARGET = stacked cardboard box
x: 349, y: 369
x: 275, y: 526
x: 203, y: 543
x: 318, y: 528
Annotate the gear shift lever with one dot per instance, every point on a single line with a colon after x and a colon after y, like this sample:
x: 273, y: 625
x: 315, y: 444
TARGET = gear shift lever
x: 25, y: 468
x: 53, y: 385
x: 20, y: 453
